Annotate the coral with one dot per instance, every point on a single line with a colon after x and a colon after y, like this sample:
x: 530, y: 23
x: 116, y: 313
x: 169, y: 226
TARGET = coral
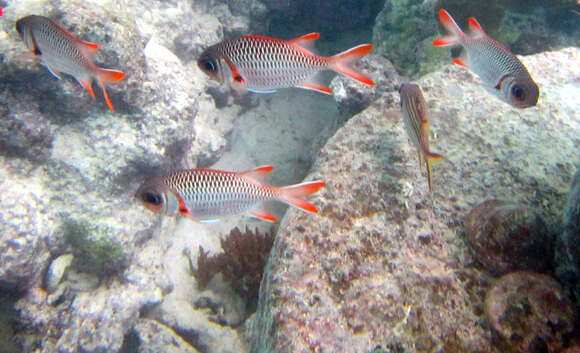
x: 506, y: 237
x: 93, y: 248
x: 529, y: 312
x: 241, y: 264
x: 401, y: 30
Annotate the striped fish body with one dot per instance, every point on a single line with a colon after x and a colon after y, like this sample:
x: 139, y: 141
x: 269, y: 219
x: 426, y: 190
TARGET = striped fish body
x: 415, y: 119
x: 263, y: 65
x: 60, y: 52
x: 207, y: 194
x: 56, y: 48
x: 502, y: 73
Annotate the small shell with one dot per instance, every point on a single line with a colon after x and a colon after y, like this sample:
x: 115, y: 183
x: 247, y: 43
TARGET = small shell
x: 56, y: 271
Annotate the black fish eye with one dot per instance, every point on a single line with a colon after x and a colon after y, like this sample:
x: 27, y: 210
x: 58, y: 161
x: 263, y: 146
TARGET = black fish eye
x: 210, y: 65
x: 152, y: 198
x: 518, y: 92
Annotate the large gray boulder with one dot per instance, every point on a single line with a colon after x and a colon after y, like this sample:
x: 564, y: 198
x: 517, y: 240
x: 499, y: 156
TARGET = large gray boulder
x: 384, y: 262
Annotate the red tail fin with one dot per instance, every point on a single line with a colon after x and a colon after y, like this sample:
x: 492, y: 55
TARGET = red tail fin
x: 105, y: 76
x: 294, y: 194
x: 455, y: 33
x: 341, y: 62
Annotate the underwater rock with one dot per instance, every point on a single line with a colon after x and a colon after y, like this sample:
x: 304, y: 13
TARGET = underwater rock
x: 25, y: 135
x: 23, y: 251
x: 383, y: 262
x: 288, y: 19
x: 568, y: 242
x: 154, y: 337
x: 507, y: 237
x: 352, y: 96
x: 530, y: 312
x: 193, y: 326
x: 86, y: 321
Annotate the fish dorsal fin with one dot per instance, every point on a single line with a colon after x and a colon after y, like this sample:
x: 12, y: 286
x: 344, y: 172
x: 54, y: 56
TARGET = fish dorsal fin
x: 258, y: 174
x: 88, y: 45
x: 475, y: 28
x: 306, y: 41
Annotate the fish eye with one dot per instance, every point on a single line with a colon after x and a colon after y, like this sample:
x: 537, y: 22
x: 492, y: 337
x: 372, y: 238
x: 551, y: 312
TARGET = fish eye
x: 152, y: 198
x: 210, y: 65
x: 518, y: 92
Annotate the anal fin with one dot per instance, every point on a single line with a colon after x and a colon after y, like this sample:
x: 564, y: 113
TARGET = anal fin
x: 262, y: 214
x: 313, y: 85
x: 87, y: 84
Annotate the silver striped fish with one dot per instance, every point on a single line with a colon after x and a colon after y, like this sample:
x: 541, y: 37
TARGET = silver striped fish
x: 501, y: 72
x: 262, y: 65
x: 60, y: 52
x: 415, y: 118
x: 207, y: 194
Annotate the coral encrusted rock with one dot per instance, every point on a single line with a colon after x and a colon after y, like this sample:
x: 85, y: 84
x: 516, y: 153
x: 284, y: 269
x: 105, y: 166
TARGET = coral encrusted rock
x: 530, y: 313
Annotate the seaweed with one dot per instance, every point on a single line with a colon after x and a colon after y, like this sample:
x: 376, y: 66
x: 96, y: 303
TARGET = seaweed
x: 241, y: 264
x: 94, y: 249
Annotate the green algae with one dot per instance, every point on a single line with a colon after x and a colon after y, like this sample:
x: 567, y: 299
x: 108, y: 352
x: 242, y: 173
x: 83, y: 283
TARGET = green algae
x: 94, y: 248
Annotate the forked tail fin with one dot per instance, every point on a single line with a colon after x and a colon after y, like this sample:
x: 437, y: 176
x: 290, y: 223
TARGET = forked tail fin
x: 105, y: 76
x: 342, y: 62
x: 294, y: 194
x: 455, y: 34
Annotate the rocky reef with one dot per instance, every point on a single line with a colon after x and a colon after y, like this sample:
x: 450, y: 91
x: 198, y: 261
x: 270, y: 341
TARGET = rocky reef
x: 383, y: 267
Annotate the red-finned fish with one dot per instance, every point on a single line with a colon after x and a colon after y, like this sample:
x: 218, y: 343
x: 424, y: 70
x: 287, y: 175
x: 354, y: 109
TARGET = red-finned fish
x: 262, y: 64
x: 1, y: 11
x: 416, y: 120
x: 59, y: 51
x: 208, y: 194
x: 501, y: 71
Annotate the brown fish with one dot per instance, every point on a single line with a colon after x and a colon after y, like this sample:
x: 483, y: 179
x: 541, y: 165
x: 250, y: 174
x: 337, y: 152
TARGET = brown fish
x: 415, y: 118
x: 59, y: 51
